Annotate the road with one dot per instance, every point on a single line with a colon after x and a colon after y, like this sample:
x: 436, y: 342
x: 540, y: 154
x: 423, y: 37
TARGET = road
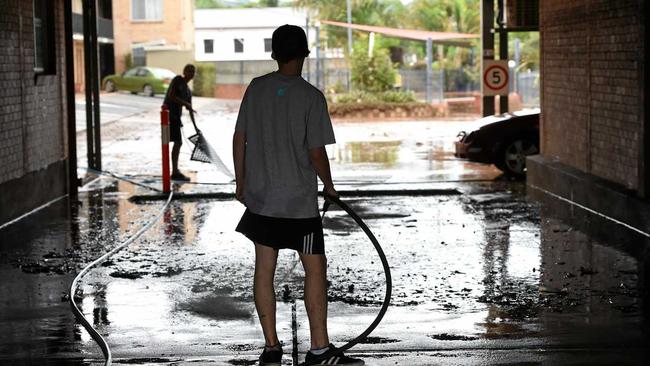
x: 115, y: 106
x: 482, y: 275
x: 385, y: 152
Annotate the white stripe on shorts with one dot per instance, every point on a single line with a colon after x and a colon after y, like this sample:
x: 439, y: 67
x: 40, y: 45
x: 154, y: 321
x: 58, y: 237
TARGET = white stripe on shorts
x: 308, y: 243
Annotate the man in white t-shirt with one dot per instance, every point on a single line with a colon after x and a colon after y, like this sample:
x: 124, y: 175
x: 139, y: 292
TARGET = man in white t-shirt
x: 279, y: 151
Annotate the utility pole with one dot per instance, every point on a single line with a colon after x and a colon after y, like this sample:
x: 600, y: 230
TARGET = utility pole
x: 91, y: 67
x: 73, y: 179
x: 487, y: 37
x: 429, y: 70
x: 503, y: 52
x: 349, y: 13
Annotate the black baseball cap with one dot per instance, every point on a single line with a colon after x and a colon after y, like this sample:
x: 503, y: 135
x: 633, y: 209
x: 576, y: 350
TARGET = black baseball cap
x: 289, y: 42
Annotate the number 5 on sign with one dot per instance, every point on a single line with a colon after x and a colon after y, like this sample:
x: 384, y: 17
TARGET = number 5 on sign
x: 495, y: 77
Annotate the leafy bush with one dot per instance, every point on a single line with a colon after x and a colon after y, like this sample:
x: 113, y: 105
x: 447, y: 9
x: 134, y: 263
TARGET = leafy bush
x: 392, y: 96
x: 372, y: 74
x: 205, y: 79
x: 356, y: 97
x: 337, y: 88
x: 389, y: 96
x: 389, y: 110
x: 128, y: 61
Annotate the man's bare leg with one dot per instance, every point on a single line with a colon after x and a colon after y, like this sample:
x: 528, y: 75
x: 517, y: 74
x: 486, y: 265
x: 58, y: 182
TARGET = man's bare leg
x: 176, y: 149
x: 315, y: 266
x: 264, y: 291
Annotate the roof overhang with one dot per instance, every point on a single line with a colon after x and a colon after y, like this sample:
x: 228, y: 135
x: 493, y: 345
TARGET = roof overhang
x: 445, y: 38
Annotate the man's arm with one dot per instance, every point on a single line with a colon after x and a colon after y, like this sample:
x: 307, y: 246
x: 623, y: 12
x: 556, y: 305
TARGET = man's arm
x: 238, y: 152
x: 173, y: 95
x: 192, y: 117
x: 321, y: 163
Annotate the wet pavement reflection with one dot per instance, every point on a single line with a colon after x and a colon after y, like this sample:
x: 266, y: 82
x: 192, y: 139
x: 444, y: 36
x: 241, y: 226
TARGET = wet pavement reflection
x: 482, y: 274
x: 384, y: 152
x: 473, y: 273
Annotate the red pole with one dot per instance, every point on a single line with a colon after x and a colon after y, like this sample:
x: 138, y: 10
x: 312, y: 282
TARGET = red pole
x: 164, y: 127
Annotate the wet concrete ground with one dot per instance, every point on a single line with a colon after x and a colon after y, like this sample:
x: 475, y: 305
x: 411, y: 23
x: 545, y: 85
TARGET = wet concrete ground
x: 482, y: 275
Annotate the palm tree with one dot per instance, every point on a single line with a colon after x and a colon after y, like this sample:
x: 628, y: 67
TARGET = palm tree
x: 373, y: 12
x: 462, y: 16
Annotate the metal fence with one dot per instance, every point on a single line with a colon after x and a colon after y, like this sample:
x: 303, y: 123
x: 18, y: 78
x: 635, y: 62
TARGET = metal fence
x: 336, y: 80
x: 329, y: 75
x: 328, y: 80
x: 527, y: 86
x: 460, y: 80
x: 416, y: 82
x: 332, y: 75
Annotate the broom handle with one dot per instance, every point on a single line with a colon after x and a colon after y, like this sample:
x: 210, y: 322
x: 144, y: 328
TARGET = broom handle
x: 193, y: 122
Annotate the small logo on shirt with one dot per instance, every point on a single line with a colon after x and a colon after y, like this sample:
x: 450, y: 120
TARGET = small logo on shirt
x: 281, y: 91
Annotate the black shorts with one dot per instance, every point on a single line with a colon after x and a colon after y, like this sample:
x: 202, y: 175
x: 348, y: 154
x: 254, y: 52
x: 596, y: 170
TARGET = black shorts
x: 175, y: 134
x: 303, y: 235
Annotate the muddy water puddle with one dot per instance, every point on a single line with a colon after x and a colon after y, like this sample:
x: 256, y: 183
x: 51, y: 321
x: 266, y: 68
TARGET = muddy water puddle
x: 447, y: 254
x: 486, y: 265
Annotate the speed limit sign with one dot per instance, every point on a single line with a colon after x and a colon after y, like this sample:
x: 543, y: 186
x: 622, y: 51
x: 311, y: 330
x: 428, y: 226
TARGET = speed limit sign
x: 495, y: 77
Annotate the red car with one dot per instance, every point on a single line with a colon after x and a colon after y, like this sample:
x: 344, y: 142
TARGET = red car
x: 503, y: 140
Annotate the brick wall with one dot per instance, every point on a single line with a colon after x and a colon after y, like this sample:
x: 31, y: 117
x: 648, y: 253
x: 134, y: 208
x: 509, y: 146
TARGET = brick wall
x: 32, y: 108
x: 175, y: 29
x: 592, y: 59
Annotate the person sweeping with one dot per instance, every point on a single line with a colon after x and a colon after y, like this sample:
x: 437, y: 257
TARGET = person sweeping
x: 279, y: 151
x: 178, y: 96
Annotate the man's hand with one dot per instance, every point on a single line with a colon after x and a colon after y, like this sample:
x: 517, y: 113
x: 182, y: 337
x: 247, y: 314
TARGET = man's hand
x: 320, y: 162
x: 239, y: 192
x: 238, y: 152
x: 330, y: 192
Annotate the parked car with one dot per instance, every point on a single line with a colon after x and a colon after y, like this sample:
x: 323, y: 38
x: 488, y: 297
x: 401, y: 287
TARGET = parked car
x: 503, y: 140
x: 148, y: 80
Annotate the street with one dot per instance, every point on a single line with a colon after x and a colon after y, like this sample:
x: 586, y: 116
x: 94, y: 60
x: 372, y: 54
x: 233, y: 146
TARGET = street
x: 115, y: 106
x: 482, y: 274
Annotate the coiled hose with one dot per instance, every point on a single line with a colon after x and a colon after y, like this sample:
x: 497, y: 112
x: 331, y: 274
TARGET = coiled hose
x: 328, y: 201
x: 389, y: 284
x: 73, y: 286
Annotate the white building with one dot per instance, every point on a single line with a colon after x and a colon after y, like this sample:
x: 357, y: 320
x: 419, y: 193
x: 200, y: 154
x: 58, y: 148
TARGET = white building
x: 243, y: 34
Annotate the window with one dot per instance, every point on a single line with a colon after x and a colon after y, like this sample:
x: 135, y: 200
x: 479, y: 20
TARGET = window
x: 143, y: 73
x: 105, y: 9
x: 239, y: 45
x: 208, y: 46
x: 139, y: 56
x: 131, y: 72
x: 77, y: 6
x: 150, y: 10
x: 267, y: 45
x: 44, y: 50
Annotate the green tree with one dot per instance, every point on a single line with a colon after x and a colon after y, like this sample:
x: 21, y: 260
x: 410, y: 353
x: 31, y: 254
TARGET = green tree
x: 389, y: 13
x: 462, y: 16
x: 269, y: 3
x: 459, y: 16
x: 214, y: 4
x: 208, y: 4
x: 529, y: 49
x: 205, y: 79
x: 372, y: 73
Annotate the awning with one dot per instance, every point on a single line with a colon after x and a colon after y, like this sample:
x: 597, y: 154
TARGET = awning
x: 446, y: 38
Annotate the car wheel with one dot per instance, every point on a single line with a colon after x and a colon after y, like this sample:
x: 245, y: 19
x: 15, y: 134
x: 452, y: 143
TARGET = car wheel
x: 513, y: 156
x: 148, y: 90
x: 500, y: 164
x: 109, y: 87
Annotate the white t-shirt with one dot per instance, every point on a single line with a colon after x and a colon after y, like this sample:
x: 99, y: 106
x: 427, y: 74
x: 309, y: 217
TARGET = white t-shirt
x: 282, y: 117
